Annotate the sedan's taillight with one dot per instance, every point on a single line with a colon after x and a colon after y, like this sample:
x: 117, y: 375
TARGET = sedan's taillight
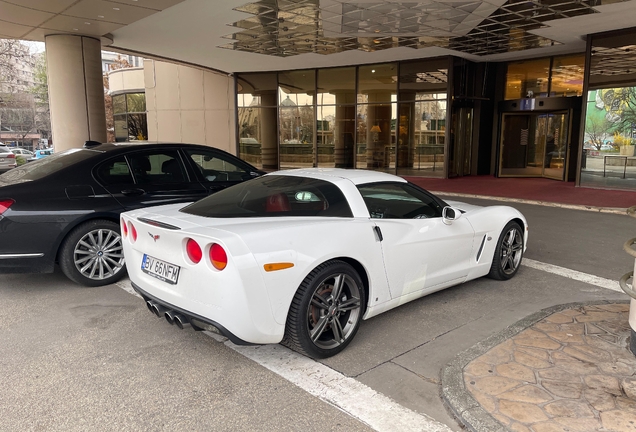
x: 124, y: 228
x: 194, y: 251
x: 218, y: 257
x: 5, y: 204
x: 10, y: 156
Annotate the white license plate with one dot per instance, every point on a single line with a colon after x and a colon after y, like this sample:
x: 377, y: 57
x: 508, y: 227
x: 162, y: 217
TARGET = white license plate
x: 160, y: 269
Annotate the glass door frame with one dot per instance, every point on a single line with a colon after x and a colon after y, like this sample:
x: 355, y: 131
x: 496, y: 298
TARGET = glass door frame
x: 537, y: 114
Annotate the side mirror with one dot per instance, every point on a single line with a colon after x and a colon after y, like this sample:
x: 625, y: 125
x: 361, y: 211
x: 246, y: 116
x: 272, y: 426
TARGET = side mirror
x: 450, y: 214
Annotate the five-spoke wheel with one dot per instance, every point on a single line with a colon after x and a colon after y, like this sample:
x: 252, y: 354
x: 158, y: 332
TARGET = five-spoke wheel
x: 326, y: 311
x: 508, y: 253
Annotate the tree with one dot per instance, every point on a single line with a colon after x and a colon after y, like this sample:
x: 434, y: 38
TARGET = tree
x: 40, y: 91
x: 18, y: 108
x: 597, y: 127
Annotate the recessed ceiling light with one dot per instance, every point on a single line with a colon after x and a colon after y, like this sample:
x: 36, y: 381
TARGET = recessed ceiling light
x: 87, y: 23
x: 115, y: 8
x: 100, y: 16
x: 76, y: 29
x: 372, y: 70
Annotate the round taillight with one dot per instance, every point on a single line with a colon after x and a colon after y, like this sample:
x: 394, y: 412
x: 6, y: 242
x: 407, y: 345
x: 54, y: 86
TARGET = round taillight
x: 218, y: 257
x: 194, y: 251
x: 124, y: 228
x: 133, y: 232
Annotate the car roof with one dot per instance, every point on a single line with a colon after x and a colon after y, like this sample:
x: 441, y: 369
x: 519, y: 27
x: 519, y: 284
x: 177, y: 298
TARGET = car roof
x: 356, y: 176
x: 105, y: 147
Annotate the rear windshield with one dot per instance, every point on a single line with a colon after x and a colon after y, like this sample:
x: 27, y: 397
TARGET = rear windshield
x: 271, y: 196
x: 43, y: 167
x: 4, y: 149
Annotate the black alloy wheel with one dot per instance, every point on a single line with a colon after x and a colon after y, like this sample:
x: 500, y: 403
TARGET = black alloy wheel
x: 326, y: 311
x: 508, y: 253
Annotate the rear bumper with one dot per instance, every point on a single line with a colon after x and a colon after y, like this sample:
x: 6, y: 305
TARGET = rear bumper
x: 191, y: 316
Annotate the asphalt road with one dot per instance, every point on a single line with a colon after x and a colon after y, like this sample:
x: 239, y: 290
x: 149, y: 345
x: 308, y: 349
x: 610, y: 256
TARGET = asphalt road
x: 76, y: 358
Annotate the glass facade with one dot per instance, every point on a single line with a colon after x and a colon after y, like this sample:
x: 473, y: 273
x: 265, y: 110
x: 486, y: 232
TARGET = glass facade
x: 608, y: 159
x: 552, y: 76
x: 388, y: 117
x: 129, y: 116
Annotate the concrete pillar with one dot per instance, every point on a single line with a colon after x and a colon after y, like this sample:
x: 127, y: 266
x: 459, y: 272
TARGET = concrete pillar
x: 268, y: 133
x: 344, y: 129
x: 76, y: 90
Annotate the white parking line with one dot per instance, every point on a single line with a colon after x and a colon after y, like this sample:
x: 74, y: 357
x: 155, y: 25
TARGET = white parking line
x: 351, y: 396
x: 573, y: 274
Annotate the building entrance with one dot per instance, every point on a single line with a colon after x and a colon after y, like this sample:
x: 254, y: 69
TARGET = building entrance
x: 534, y: 145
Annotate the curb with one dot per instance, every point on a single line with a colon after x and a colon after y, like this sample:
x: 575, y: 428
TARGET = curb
x: 459, y: 400
x: 612, y: 210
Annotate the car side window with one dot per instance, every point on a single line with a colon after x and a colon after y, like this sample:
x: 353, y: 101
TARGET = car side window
x: 157, y: 167
x: 216, y: 168
x: 399, y: 201
x: 114, y: 171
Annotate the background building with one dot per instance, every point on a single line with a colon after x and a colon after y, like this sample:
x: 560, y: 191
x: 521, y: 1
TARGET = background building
x: 436, y: 88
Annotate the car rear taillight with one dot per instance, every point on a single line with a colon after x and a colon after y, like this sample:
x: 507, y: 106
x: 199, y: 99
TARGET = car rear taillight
x: 10, y: 156
x: 194, y: 251
x: 5, y: 204
x: 133, y: 232
x: 124, y: 228
x: 218, y: 257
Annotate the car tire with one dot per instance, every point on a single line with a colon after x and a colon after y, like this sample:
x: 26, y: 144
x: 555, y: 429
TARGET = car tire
x: 508, y: 253
x: 92, y: 254
x: 319, y: 325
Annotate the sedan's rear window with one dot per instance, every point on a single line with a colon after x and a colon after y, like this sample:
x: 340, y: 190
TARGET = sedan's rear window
x: 274, y: 195
x: 46, y: 166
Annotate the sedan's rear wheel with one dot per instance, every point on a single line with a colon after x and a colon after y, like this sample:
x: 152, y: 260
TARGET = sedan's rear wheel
x: 92, y: 254
x: 326, y: 311
x: 508, y: 253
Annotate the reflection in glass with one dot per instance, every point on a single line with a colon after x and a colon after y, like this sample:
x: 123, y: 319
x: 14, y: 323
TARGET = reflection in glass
x: 119, y: 104
x: 130, y: 120
x: 421, y: 136
x: 527, y: 78
x: 136, y: 102
x: 121, y: 128
x: 608, y: 158
x: 376, y: 136
x: 296, y: 118
x: 258, y: 138
x: 567, y: 76
x: 336, y: 86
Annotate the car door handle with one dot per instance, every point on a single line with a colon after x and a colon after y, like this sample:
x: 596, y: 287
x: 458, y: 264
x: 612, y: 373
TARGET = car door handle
x: 133, y: 192
x: 216, y: 188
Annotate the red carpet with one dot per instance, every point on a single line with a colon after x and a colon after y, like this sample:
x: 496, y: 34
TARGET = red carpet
x: 536, y: 189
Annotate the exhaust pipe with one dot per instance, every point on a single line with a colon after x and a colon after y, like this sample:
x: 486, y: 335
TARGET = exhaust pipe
x: 170, y: 315
x: 157, y: 309
x: 181, y: 321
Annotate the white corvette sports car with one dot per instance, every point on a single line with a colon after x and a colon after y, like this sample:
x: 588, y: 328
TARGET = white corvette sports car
x: 302, y: 256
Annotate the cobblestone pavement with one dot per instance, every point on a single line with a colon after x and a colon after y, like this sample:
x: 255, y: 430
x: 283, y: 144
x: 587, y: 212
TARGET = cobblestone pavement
x: 571, y: 371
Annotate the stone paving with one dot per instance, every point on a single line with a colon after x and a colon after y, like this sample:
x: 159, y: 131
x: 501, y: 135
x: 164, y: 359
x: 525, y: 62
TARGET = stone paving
x: 571, y: 371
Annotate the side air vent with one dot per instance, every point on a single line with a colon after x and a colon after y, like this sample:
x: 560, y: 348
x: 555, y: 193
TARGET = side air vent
x: 158, y: 224
x: 481, y: 248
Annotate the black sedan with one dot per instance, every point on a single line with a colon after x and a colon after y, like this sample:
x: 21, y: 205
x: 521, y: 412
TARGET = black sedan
x: 65, y: 208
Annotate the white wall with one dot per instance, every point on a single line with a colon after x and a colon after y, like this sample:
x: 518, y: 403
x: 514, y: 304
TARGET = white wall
x: 190, y: 105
